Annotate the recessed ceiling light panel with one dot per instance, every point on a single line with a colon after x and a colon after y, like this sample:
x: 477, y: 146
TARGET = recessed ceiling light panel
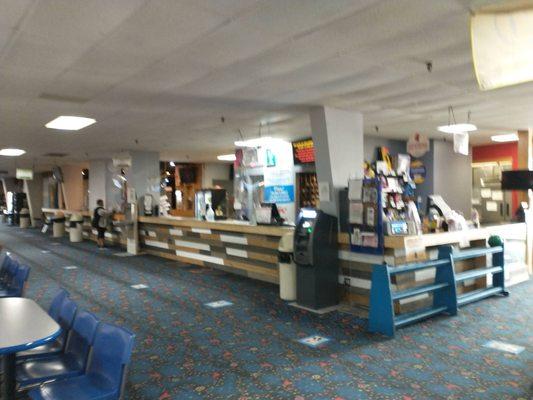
x: 510, y: 137
x: 70, y: 123
x: 227, y: 157
x: 12, y: 152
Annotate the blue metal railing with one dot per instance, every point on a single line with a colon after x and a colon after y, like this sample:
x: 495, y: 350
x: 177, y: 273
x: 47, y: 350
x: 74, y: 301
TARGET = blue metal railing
x: 382, y: 317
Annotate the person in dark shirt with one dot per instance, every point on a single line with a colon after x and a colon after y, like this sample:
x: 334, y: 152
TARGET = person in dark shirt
x: 100, y: 222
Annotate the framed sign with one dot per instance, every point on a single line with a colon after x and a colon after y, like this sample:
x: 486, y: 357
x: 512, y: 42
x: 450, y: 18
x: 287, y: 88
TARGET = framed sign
x: 418, y: 145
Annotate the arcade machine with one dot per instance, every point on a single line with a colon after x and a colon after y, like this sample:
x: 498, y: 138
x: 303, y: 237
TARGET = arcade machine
x: 316, y: 258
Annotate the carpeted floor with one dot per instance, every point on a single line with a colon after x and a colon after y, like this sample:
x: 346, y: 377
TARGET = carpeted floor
x: 185, y: 350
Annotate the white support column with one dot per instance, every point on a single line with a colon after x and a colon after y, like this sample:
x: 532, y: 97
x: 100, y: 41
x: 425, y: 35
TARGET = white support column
x: 338, y: 139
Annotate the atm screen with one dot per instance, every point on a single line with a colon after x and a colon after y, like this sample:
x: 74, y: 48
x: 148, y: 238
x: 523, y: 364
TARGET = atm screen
x: 311, y: 214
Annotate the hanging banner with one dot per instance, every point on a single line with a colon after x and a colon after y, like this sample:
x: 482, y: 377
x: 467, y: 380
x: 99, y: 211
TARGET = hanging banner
x: 279, y: 173
x: 460, y: 143
x: 418, y: 145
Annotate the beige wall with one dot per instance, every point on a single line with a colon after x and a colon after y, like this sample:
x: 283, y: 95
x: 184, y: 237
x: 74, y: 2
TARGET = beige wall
x: 73, y: 185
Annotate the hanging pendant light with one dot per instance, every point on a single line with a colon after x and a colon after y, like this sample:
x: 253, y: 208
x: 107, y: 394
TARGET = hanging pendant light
x: 455, y: 127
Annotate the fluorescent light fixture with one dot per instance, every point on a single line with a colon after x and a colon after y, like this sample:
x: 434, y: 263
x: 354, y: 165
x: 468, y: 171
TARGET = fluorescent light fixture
x: 227, y: 157
x: 12, y: 152
x: 70, y: 123
x: 256, y: 142
x: 510, y: 137
x: 457, y: 128
x: 501, y: 48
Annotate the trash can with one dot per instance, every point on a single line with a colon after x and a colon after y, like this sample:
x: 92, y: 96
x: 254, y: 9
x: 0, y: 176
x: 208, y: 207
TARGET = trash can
x: 24, y: 218
x: 287, y: 268
x: 76, y: 228
x: 58, y: 225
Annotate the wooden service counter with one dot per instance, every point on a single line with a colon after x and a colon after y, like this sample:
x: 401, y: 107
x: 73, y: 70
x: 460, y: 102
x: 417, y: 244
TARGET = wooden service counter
x: 231, y: 246
x: 356, y: 268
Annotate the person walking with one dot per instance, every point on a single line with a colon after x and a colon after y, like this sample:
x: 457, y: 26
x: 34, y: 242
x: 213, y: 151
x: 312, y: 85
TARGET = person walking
x: 100, y: 222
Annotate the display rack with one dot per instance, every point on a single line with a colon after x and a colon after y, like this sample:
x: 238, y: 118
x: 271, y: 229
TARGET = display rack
x: 371, y: 224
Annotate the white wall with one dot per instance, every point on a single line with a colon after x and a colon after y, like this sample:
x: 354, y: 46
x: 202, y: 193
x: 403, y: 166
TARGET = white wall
x: 217, y: 171
x: 97, y: 182
x: 453, y: 177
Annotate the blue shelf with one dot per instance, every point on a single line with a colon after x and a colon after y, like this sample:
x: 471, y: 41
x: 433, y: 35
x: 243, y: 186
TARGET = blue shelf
x: 382, y: 318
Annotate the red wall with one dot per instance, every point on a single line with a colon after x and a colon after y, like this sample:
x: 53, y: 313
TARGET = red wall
x: 498, y: 152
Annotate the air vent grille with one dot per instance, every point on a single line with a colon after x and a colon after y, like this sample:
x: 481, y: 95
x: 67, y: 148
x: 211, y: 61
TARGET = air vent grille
x: 55, y: 155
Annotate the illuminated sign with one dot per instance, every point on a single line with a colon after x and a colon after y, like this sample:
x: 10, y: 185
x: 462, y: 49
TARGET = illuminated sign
x: 303, y: 151
x: 25, y: 174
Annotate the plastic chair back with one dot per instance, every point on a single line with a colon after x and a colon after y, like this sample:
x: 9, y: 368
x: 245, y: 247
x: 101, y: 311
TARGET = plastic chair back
x: 67, y: 313
x: 55, y: 306
x: 82, y: 337
x: 110, y: 356
x: 18, y: 282
x: 11, y: 270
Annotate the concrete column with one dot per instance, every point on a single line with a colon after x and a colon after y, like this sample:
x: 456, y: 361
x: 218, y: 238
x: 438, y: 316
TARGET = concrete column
x: 452, y: 177
x: 144, y: 175
x: 34, y: 196
x: 98, y: 177
x: 339, y: 152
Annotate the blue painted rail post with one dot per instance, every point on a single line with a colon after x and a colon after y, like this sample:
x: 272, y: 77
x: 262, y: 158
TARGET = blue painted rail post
x: 446, y: 297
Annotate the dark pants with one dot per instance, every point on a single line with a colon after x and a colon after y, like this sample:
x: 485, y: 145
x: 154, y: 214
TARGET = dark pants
x: 101, y: 232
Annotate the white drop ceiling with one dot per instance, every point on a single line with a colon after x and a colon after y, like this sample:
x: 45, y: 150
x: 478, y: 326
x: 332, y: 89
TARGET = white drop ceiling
x: 164, y: 72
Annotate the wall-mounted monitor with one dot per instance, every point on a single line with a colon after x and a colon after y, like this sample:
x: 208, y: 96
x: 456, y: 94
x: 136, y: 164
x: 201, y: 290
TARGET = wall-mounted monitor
x: 303, y: 151
x: 187, y: 174
x: 517, y: 180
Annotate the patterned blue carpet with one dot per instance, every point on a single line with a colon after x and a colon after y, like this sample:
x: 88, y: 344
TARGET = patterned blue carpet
x: 185, y: 350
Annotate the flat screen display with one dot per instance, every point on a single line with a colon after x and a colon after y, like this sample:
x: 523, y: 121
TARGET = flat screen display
x: 187, y: 175
x: 303, y: 151
x: 517, y: 180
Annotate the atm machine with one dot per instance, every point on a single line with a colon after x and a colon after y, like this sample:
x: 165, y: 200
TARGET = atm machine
x: 316, y: 258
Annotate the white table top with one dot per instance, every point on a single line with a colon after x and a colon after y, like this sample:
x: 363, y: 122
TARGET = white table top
x: 24, y: 325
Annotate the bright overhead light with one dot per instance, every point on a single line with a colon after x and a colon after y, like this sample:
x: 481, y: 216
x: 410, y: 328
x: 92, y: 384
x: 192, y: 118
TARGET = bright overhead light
x: 510, y: 137
x: 12, y: 152
x: 70, y: 123
x: 501, y: 48
x: 172, y: 164
x: 257, y: 142
x: 227, y: 157
x: 457, y: 128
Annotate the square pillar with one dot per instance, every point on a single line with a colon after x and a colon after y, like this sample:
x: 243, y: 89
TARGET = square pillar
x: 339, y: 153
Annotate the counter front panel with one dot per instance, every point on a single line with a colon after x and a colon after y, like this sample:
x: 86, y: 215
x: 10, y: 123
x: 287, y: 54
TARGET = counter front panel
x: 249, y: 254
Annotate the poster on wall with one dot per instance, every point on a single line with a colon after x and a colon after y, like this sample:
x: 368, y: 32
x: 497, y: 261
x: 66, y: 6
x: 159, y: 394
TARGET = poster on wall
x: 418, y: 171
x: 278, y: 169
x: 418, y: 145
x: 279, y: 186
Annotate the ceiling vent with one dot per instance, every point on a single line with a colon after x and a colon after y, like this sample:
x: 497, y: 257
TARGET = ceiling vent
x: 55, y: 155
x: 63, y: 99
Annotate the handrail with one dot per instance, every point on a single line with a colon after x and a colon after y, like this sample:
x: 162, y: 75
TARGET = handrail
x: 413, y: 267
x: 477, y: 252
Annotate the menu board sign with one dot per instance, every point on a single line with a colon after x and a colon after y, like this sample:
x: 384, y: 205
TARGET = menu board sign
x: 303, y: 151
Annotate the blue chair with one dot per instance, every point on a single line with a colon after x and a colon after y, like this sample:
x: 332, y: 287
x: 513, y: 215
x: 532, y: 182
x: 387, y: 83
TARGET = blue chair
x: 55, y: 305
x: 105, y: 376
x: 65, y: 320
x: 16, y: 287
x: 9, y: 271
x: 69, y: 364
